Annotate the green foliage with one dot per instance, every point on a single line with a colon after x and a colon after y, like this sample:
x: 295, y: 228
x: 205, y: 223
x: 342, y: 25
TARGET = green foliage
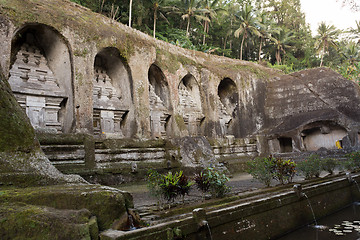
x: 168, y: 186
x: 310, y: 167
x: 202, y: 181
x: 261, y: 169
x: 350, y: 72
x: 272, y: 31
x: 352, y: 161
x: 329, y: 165
x: 283, y: 68
x: 217, y: 180
x: 154, y: 180
x: 266, y: 169
x: 212, y: 180
x: 184, y: 185
x: 284, y: 170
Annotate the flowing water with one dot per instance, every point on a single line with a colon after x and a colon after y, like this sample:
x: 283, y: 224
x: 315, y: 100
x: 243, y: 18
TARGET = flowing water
x: 208, y: 228
x: 343, y: 225
x: 312, y: 210
x: 357, y: 185
x: 131, y: 222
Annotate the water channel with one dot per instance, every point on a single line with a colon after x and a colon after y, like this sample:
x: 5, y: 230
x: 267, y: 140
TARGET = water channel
x: 344, y: 225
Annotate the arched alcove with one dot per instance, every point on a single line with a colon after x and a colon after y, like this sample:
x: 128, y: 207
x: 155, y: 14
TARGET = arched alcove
x: 190, y: 106
x: 158, y: 81
x: 112, y: 98
x: 322, y: 134
x: 41, y: 77
x: 228, y: 102
x: 160, y: 104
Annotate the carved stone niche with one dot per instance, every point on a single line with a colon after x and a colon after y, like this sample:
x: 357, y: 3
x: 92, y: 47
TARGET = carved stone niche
x: 227, y: 103
x: 108, y: 111
x: 224, y: 118
x: 36, y: 89
x: 159, y: 103
x: 159, y: 114
x: 190, y: 109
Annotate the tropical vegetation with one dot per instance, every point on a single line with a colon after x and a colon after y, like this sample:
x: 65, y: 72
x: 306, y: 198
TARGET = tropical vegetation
x: 271, y: 32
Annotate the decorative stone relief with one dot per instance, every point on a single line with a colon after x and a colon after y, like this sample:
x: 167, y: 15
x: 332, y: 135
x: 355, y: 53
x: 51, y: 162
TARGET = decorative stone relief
x: 190, y: 110
x: 36, y: 89
x: 158, y: 114
x: 108, y: 112
x: 224, y: 118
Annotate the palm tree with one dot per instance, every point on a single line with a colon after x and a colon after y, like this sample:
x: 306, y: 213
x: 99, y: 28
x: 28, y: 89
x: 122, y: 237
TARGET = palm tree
x: 248, y: 23
x: 265, y: 28
x: 157, y: 5
x: 130, y: 12
x: 327, y: 36
x: 351, y: 52
x: 191, y: 8
x: 355, y: 31
x: 210, y: 11
x: 281, y: 40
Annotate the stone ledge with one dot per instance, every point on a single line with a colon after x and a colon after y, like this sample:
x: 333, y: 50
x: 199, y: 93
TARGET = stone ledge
x: 106, y: 203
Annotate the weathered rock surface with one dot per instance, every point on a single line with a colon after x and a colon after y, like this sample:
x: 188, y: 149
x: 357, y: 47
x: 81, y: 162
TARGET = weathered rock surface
x: 22, y: 163
x: 107, y: 204
x: 23, y: 221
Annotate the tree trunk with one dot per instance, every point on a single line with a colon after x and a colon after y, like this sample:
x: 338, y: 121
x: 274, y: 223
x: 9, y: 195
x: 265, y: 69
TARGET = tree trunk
x: 278, y: 57
x: 225, y: 45
x: 155, y: 16
x: 130, y: 10
x: 205, y: 27
x: 188, y: 26
x: 261, y: 40
x: 322, y: 56
x: 242, y: 44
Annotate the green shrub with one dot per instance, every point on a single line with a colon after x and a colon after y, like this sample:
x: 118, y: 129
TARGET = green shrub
x: 202, y: 182
x: 266, y: 169
x: 217, y: 180
x: 212, y: 180
x: 347, y: 164
x: 354, y: 158
x: 284, y: 170
x: 154, y: 180
x: 261, y: 169
x: 184, y: 186
x: 168, y: 186
x: 310, y: 167
x: 329, y: 165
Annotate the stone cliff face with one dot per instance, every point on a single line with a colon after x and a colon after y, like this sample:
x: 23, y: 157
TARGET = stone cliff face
x: 313, y: 105
x: 22, y: 163
x: 108, y: 80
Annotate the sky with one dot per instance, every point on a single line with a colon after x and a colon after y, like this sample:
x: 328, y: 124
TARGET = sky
x: 330, y: 11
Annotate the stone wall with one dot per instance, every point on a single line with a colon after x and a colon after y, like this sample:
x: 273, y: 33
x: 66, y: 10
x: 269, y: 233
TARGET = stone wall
x: 75, y: 71
x: 266, y: 217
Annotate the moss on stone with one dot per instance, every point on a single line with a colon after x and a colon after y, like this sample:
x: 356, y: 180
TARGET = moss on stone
x: 132, y: 143
x: 105, y: 203
x: 180, y: 122
x: 22, y: 221
x: 16, y: 131
x: 91, y: 27
x: 64, y: 138
x: 171, y: 62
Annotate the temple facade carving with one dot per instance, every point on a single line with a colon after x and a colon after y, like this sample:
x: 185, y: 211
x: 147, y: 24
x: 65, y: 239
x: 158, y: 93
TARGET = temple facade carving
x: 190, y: 110
x: 108, y: 111
x: 159, y: 114
x: 37, y: 90
x: 224, y: 118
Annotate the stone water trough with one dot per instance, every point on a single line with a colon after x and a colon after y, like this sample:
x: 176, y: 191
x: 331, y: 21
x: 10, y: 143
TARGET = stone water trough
x: 268, y: 215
